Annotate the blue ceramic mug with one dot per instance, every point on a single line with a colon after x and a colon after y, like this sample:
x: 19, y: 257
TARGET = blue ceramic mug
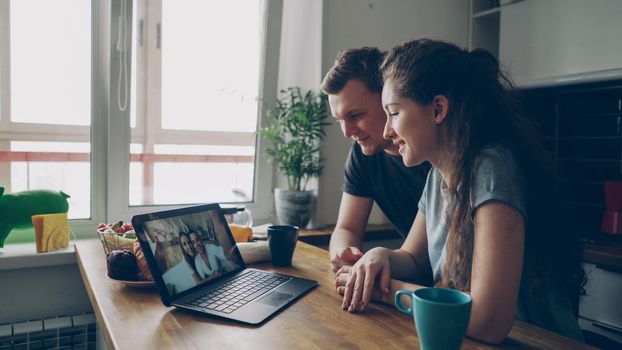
x: 441, y: 316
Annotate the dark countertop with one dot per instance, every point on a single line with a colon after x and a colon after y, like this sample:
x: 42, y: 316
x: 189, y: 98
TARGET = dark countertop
x: 606, y: 252
x: 321, y: 235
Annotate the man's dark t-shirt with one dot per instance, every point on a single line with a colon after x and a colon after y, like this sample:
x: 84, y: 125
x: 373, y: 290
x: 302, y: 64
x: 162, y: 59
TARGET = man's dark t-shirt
x: 384, y: 178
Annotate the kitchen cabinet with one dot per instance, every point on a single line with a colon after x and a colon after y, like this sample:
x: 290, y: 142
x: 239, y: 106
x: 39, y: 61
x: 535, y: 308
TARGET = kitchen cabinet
x: 484, y: 25
x: 552, y: 42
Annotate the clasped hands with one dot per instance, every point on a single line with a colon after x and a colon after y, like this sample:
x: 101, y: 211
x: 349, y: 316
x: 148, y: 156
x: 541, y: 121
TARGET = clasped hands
x: 362, y: 278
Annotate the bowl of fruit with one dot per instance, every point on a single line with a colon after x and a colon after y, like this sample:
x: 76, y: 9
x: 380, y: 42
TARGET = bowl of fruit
x: 125, y: 259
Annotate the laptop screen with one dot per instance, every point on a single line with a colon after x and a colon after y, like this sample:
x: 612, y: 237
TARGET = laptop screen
x: 190, y: 247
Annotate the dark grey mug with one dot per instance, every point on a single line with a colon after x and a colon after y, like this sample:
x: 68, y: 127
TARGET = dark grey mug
x: 282, y: 241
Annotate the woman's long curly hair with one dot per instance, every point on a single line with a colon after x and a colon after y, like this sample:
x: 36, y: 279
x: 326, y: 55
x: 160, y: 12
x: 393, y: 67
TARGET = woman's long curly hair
x: 483, y: 111
x: 189, y: 258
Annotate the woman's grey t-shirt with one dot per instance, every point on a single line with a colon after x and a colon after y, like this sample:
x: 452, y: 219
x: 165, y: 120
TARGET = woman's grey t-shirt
x: 497, y: 179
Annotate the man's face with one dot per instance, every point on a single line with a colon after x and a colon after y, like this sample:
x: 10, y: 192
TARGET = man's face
x: 362, y: 119
x: 196, y: 243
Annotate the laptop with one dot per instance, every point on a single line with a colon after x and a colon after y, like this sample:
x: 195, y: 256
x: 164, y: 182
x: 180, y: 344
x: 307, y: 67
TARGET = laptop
x: 197, y: 266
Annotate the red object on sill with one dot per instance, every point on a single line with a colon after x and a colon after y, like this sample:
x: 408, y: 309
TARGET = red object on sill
x: 612, y: 219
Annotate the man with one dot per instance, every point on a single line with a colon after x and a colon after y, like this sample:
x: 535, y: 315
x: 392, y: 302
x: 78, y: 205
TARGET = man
x: 210, y: 259
x: 374, y: 170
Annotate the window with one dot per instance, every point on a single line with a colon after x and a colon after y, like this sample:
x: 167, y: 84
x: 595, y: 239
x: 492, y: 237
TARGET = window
x: 127, y: 104
x: 196, y: 101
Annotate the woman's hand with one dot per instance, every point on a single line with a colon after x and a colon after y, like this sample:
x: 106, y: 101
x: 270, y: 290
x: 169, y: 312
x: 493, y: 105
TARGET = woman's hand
x: 341, y: 278
x: 360, y: 286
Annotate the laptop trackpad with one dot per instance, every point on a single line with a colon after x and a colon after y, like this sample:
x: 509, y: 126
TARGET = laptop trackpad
x: 275, y: 298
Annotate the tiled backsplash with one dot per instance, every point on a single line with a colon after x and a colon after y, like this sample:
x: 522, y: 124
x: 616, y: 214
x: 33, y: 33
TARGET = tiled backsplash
x: 581, y: 126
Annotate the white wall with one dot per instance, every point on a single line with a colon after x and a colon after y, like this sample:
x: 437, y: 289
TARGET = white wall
x: 381, y: 23
x: 42, y: 292
x: 301, y: 44
x: 301, y: 57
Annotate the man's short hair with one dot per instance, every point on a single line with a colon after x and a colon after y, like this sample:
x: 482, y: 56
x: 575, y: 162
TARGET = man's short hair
x: 360, y: 64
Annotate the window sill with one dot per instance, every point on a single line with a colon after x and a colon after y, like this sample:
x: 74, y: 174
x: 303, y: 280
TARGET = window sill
x: 24, y: 255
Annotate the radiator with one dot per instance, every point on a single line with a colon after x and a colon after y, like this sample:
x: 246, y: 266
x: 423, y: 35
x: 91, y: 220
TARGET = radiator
x: 61, y: 332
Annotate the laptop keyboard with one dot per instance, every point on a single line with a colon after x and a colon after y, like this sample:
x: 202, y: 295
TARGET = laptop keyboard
x: 239, y: 291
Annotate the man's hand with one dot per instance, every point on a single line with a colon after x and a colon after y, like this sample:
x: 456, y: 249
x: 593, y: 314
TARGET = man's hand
x: 341, y: 277
x: 345, y: 256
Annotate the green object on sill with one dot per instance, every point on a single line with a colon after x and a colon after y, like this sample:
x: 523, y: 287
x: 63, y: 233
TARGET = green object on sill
x: 17, y: 209
x: 21, y: 235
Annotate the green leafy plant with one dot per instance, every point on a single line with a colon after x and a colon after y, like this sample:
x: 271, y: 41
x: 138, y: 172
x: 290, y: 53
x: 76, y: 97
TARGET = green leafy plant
x: 296, y: 127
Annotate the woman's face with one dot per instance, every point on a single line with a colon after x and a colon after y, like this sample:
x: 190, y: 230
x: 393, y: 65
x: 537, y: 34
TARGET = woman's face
x: 187, y: 245
x: 413, y: 128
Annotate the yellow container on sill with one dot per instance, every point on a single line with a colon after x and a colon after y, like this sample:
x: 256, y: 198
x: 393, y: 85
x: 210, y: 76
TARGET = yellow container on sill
x: 241, y: 233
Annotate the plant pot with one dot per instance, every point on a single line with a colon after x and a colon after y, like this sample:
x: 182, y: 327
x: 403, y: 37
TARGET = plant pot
x: 293, y: 207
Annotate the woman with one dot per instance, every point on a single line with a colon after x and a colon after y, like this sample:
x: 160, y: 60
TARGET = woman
x: 189, y: 255
x: 488, y: 222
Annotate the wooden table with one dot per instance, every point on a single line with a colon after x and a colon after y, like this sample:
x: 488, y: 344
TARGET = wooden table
x: 130, y: 318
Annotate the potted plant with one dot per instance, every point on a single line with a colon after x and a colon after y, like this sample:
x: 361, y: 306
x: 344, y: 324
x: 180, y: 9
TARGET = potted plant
x: 295, y: 129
